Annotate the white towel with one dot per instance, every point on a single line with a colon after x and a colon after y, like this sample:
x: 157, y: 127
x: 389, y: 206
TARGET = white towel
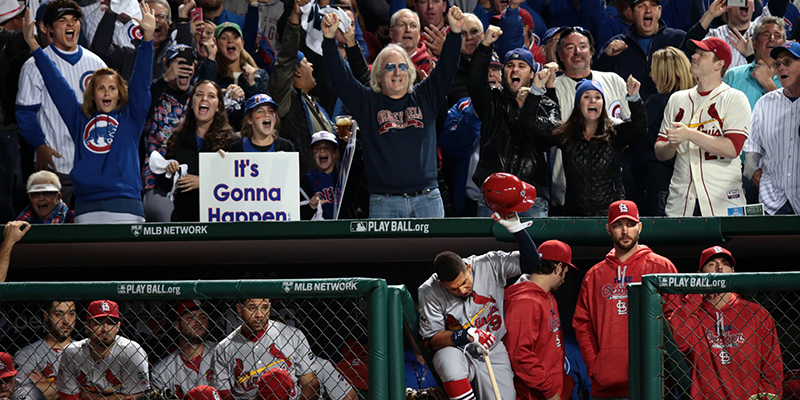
x: 309, y: 22
x: 130, y: 7
x: 318, y: 214
x: 159, y: 166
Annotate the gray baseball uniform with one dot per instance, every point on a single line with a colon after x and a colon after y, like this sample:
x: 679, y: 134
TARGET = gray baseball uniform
x: 39, y: 356
x: 172, y: 372
x: 124, y: 370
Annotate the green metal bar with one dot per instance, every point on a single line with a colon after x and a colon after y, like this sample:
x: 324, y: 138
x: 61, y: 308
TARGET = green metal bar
x: 733, y: 282
x: 396, y: 363
x: 378, y: 343
x: 650, y: 319
x: 634, y: 341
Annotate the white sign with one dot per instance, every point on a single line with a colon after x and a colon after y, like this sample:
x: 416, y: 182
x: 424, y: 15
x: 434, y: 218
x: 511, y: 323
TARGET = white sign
x: 249, y: 187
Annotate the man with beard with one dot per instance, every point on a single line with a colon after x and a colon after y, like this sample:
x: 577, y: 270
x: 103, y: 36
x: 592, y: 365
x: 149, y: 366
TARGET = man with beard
x: 263, y: 352
x: 188, y: 366
x: 105, y: 366
x: 461, y: 310
x: 534, y: 337
x: 38, y: 361
x: 601, y: 316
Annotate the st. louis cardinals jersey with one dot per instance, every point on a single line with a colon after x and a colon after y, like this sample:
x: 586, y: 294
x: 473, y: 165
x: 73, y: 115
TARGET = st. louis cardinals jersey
x: 441, y: 310
x: 77, y: 68
x: 239, y: 361
x: 714, y: 182
x: 173, y: 372
x: 123, y: 371
x: 332, y: 384
x: 35, y: 356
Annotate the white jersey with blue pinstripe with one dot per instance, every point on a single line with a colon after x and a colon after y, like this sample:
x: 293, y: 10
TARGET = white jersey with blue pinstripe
x: 775, y: 134
x: 77, y: 68
x: 123, y: 32
x: 723, y: 32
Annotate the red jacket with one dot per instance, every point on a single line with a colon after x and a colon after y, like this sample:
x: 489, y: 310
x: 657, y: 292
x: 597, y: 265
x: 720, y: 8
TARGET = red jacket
x: 734, y: 350
x: 601, y: 317
x: 422, y: 59
x: 534, y: 341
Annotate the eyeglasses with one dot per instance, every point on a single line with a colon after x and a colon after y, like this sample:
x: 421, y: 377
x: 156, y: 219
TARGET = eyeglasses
x: 161, y: 17
x: 471, y: 32
x: 390, y: 67
x: 786, y: 63
x: 47, y: 195
x: 403, y: 25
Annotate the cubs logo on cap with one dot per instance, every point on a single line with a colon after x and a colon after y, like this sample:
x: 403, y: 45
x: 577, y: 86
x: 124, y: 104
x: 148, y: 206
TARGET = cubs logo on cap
x: 257, y: 100
x: 714, y: 251
x: 102, y: 308
x: 7, y: 369
x: 623, y: 209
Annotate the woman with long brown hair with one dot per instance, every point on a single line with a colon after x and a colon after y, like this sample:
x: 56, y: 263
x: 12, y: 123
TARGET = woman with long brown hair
x: 592, y: 143
x: 205, y: 128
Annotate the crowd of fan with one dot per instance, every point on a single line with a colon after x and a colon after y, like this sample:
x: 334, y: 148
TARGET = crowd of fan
x: 574, y: 98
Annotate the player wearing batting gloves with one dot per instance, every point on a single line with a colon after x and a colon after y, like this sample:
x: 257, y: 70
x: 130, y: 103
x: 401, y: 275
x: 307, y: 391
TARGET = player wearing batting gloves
x: 461, y: 311
x: 706, y: 126
x: 38, y: 361
x: 188, y: 366
x: 730, y: 343
x: 262, y: 353
x: 535, y: 339
x: 601, y: 316
x: 105, y: 366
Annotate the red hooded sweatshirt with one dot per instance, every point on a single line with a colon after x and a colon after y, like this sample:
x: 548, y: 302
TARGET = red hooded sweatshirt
x: 534, y: 341
x: 734, y: 350
x: 601, y: 317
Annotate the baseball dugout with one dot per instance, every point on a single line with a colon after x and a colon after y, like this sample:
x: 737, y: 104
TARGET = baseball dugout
x: 336, y: 328
x: 715, y: 336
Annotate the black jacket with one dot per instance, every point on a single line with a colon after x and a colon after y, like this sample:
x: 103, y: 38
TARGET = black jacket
x: 510, y: 143
x: 592, y: 167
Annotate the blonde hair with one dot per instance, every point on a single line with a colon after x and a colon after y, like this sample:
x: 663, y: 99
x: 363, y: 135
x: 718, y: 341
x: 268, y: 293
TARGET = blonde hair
x: 223, y: 67
x: 670, y: 70
x: 44, y: 177
x: 377, y: 68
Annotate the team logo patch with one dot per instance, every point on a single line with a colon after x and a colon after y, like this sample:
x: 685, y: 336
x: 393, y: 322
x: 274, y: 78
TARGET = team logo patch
x: 615, y: 109
x: 98, y: 135
x: 679, y: 117
x: 85, y: 78
x: 105, y: 307
x: 733, y: 194
x: 135, y: 32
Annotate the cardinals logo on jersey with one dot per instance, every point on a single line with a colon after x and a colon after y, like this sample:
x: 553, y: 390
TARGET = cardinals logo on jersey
x: 481, y: 300
x: 279, y: 355
x: 679, y: 117
x: 110, y: 378
x: 714, y: 114
x: 451, y: 323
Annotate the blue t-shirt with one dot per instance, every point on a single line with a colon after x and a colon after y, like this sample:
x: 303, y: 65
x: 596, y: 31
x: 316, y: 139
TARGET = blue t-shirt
x: 322, y: 184
x: 252, y: 148
x: 200, y: 141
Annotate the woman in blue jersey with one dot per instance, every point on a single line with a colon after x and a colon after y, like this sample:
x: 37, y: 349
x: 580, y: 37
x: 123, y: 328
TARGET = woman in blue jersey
x: 106, y: 129
x: 260, y: 128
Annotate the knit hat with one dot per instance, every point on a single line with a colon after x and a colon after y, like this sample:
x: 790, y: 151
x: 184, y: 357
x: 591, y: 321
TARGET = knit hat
x: 585, y: 85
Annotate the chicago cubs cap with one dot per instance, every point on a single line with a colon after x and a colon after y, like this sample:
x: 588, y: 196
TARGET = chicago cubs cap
x: 275, y: 384
x: 202, y: 392
x: 53, y: 12
x: 102, y: 308
x: 189, y: 305
x: 521, y: 54
x: 175, y: 49
x: 227, y: 25
x: 585, y: 85
x: 10, y: 9
x: 7, y: 369
x: 43, y: 187
x: 791, y: 47
x: 323, y: 135
x: 623, y: 209
x: 715, y: 45
x: 258, y: 100
x: 716, y: 251
x: 556, y: 250
x: 552, y: 32
x: 40, y: 11
x: 495, y: 60
x: 635, y: 2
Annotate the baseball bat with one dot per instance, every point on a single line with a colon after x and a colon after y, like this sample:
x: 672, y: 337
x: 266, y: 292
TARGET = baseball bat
x: 491, y: 374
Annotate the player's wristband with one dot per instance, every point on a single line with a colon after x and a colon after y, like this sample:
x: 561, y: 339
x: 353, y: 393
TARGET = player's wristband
x: 460, y: 337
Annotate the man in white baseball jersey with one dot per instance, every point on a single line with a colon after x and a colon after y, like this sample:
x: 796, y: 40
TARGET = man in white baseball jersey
x: 461, y: 311
x: 188, y: 366
x: 38, y: 119
x: 38, y: 361
x: 263, y: 350
x: 105, y: 366
x: 773, y: 150
x: 706, y: 127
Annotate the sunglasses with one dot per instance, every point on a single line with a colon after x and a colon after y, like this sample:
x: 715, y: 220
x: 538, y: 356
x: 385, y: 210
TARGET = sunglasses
x: 786, y: 63
x: 391, y: 66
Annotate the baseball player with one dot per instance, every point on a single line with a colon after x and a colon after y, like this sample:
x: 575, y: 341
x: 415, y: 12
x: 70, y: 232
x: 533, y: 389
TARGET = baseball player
x: 38, y: 119
x: 706, y: 126
x: 333, y: 386
x: 188, y: 366
x: 105, y: 364
x: 38, y: 361
x: 730, y: 343
x: 461, y: 311
x: 263, y: 350
x: 601, y: 316
x: 7, y: 376
x: 534, y: 338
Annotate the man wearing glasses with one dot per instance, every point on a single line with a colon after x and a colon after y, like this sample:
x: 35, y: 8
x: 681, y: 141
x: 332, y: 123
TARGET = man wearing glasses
x: 774, y: 145
x: 758, y: 77
x: 398, y: 121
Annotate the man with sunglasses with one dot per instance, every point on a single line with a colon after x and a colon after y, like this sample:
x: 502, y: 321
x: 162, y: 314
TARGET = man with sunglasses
x: 774, y: 145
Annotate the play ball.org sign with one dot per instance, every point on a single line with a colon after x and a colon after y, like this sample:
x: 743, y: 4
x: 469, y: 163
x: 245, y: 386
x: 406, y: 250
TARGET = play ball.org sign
x: 249, y: 187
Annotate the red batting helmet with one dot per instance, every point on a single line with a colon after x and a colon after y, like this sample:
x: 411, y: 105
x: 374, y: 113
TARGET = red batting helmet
x: 505, y: 193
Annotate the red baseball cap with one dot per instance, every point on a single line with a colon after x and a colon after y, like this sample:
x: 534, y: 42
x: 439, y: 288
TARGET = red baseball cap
x: 623, y: 209
x: 202, y: 392
x: 189, y: 305
x: 355, y: 364
x: 716, y: 46
x: 7, y: 369
x: 102, y: 308
x: 556, y: 250
x: 276, y: 384
x: 714, y: 251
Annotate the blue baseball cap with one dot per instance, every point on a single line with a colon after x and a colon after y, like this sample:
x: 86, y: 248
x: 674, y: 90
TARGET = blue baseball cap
x: 791, y: 47
x: 524, y: 55
x: 586, y: 84
x: 495, y: 60
x: 173, y: 51
x: 40, y: 11
x: 552, y: 32
x: 258, y: 100
x: 300, y: 56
